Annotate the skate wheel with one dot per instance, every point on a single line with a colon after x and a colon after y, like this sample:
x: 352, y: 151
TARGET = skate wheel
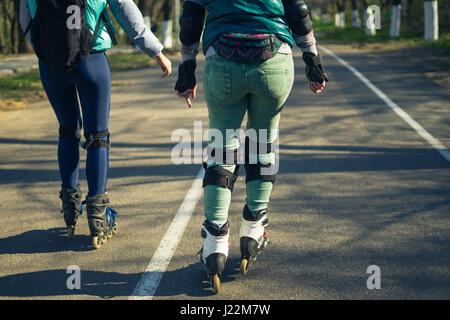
x: 96, y: 242
x: 266, y: 245
x: 244, y: 267
x: 109, y: 234
x: 115, y: 229
x: 103, y: 238
x: 215, y: 283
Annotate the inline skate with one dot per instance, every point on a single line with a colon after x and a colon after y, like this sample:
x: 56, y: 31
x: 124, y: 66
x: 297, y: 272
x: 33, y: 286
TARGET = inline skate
x: 214, y: 252
x: 101, y: 219
x: 72, y: 207
x: 253, y: 237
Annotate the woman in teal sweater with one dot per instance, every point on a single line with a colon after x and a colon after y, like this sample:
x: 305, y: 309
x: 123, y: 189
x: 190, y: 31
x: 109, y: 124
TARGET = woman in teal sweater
x: 249, y: 69
x: 90, y: 80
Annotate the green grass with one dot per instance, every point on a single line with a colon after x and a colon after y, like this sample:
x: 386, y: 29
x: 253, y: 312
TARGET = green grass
x: 18, y: 90
x: 132, y: 61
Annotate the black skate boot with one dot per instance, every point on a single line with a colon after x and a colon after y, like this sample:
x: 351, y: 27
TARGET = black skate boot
x: 214, y: 252
x: 253, y: 237
x: 101, y: 219
x: 72, y: 207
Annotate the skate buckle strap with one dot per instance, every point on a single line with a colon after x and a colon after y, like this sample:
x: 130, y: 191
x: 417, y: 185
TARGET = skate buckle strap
x: 83, y: 203
x: 256, y: 215
x: 111, y: 215
x: 214, y: 229
x: 216, y: 175
x: 95, y: 140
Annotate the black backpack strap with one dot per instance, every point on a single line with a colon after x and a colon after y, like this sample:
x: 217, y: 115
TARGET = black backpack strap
x: 28, y: 28
x: 97, y: 29
x: 26, y: 31
x: 104, y: 16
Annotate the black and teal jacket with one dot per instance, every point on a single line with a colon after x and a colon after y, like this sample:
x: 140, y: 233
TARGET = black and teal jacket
x: 239, y: 16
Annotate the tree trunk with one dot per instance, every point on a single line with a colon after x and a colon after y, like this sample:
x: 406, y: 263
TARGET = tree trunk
x: 369, y: 19
x: 167, y: 24
x: 14, y: 26
x: 2, y: 46
x: 394, y: 32
x: 23, y: 46
x: 356, y: 22
x: 431, y: 20
x: 5, y: 32
x: 145, y: 8
x: 340, y: 16
x: 177, y: 8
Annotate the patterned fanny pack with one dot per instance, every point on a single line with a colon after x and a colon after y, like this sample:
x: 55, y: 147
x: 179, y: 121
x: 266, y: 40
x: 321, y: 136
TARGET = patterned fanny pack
x: 247, y: 48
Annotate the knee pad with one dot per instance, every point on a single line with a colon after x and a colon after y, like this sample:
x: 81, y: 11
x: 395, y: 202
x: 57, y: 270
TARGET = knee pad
x: 216, y: 175
x: 191, y: 23
x: 297, y: 14
x: 254, y: 170
x: 95, y: 140
x: 70, y: 132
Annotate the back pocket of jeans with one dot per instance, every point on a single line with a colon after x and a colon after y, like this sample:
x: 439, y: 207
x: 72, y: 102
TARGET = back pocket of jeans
x: 217, y: 84
x: 275, y: 82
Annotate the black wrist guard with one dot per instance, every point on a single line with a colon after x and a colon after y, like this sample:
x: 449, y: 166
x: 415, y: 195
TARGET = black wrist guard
x: 186, y: 76
x: 314, y: 71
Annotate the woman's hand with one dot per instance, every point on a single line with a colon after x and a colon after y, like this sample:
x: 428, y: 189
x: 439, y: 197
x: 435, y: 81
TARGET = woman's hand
x: 188, y: 94
x: 316, y: 87
x: 164, y: 63
x: 186, y: 86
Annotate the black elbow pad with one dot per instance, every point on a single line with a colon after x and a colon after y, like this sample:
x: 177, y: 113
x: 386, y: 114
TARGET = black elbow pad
x: 298, y: 17
x: 191, y: 23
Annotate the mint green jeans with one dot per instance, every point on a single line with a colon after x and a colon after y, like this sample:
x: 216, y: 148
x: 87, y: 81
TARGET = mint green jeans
x: 232, y: 90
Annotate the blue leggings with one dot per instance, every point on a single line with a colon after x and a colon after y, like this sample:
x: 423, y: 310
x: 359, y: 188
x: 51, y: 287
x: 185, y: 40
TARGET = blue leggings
x: 91, y: 82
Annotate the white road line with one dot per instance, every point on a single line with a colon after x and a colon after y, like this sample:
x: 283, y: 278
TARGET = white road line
x: 435, y: 143
x: 149, y: 282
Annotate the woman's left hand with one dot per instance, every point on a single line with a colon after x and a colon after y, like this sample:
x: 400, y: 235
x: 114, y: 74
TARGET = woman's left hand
x: 164, y: 63
x: 316, y: 87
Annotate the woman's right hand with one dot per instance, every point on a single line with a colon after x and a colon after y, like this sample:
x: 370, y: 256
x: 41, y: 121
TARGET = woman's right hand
x: 188, y: 94
x: 164, y: 63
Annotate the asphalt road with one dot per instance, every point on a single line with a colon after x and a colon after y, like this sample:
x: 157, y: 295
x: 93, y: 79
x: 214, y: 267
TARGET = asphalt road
x: 357, y: 187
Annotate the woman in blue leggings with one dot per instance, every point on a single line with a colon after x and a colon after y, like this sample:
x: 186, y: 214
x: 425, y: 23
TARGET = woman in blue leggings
x: 90, y: 80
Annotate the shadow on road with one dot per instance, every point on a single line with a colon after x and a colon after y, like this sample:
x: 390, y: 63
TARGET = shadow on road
x: 192, y: 280
x: 54, y: 283
x: 327, y: 159
x: 358, y: 158
x: 50, y: 283
x: 44, y: 241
